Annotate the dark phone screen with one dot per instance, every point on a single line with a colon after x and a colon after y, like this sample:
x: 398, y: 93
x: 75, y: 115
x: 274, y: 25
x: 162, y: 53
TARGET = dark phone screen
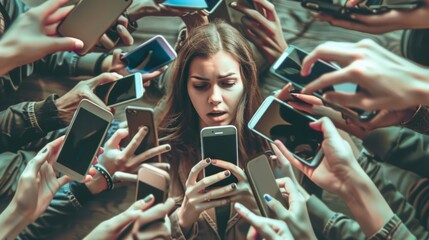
x: 158, y: 58
x: 117, y: 91
x: 222, y: 147
x: 290, y: 127
x: 137, y: 118
x: 211, y: 4
x: 144, y: 189
x: 82, y: 141
x: 263, y: 181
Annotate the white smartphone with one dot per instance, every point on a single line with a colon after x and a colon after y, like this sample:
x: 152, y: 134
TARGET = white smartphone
x: 121, y: 91
x: 152, y: 180
x: 161, y: 54
x: 275, y: 119
x: 219, y: 142
x: 90, y: 19
x: 83, y: 138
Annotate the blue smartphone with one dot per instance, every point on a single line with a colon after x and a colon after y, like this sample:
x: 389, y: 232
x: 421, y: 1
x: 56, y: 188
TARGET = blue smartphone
x: 149, y: 56
x: 187, y: 4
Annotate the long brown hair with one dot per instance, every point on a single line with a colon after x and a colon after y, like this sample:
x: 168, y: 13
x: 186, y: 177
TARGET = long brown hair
x: 177, y: 118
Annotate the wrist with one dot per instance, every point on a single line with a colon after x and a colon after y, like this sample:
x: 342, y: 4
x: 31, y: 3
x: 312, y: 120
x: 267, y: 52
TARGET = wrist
x: 13, y: 220
x: 106, y: 64
x: 184, y: 225
x: 97, y: 185
x: 6, y: 54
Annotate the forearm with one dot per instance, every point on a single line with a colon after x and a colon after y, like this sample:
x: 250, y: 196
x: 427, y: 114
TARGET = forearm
x: 12, y: 221
x: 366, y: 203
x: 7, y: 54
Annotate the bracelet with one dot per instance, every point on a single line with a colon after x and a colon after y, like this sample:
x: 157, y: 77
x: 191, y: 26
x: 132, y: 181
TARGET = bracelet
x: 99, y: 63
x: 105, y: 174
x: 412, y: 117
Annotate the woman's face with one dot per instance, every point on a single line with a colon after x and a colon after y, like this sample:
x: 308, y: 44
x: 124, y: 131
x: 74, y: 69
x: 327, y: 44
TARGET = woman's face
x: 215, y: 88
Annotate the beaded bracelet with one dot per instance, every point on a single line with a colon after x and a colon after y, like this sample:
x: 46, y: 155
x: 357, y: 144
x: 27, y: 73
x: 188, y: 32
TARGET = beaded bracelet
x: 105, y: 174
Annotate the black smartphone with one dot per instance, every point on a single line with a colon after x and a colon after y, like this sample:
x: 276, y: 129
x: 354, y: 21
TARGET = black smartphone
x: 275, y: 119
x: 262, y: 181
x: 83, y: 138
x: 220, y: 142
x: 212, y: 5
x: 138, y: 117
x: 121, y: 91
x: 338, y: 11
x: 288, y: 67
x: 391, y: 4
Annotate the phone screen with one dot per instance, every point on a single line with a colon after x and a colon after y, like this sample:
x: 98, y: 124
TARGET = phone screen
x: 144, y: 189
x: 292, y: 129
x: 158, y: 58
x: 223, y: 147
x: 212, y: 4
x: 82, y: 141
x: 121, y: 90
x: 140, y: 117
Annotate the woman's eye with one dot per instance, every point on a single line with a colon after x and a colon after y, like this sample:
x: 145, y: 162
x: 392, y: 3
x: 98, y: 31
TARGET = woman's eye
x: 200, y: 86
x: 228, y: 83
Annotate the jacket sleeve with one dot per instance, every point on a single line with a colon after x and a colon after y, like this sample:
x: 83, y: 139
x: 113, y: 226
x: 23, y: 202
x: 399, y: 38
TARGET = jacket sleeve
x: 28, y: 121
x: 67, y: 201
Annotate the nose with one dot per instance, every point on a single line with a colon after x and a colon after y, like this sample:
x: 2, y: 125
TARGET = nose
x: 215, y: 96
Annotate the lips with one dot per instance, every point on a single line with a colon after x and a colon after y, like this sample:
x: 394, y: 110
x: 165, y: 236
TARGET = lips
x: 216, y: 113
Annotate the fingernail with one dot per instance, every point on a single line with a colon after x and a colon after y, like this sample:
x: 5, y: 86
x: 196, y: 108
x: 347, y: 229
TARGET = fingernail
x: 267, y: 197
x: 352, y: 16
x: 227, y: 173
x: 295, y: 95
x: 233, y: 4
x: 213, y: 161
x: 238, y: 206
x: 208, y: 160
x: 168, y: 147
x: 45, y: 150
x: 148, y: 198
x: 121, y: 28
x: 145, y: 129
x: 233, y: 186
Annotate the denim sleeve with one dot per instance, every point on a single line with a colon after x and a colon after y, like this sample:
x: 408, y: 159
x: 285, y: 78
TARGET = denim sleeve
x: 67, y: 201
x: 393, y: 229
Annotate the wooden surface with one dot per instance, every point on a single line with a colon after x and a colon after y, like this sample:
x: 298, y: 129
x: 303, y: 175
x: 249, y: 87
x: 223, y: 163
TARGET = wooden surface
x: 300, y: 29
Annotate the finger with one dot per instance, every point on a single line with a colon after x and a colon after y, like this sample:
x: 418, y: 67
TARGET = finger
x: 102, y: 79
x: 193, y: 175
x: 114, y: 141
x: 296, y: 200
x: 214, y: 203
x: 148, y: 154
x: 210, y: 180
x: 156, y: 212
x: 326, y: 126
x: 285, y: 94
x: 278, y: 208
x: 48, y: 8
x: 217, y: 193
x: 162, y: 166
x: 143, y: 204
x: 235, y: 170
x: 257, y: 222
x: 252, y: 234
x: 106, y: 42
x: 329, y: 79
x: 135, y: 142
x: 268, y: 9
x: 255, y: 15
x: 288, y: 155
x: 359, y: 100
x: 126, y: 37
x: 152, y: 75
x: 124, y: 177
x: 58, y: 15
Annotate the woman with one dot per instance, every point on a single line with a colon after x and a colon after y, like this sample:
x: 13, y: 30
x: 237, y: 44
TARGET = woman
x: 214, y: 82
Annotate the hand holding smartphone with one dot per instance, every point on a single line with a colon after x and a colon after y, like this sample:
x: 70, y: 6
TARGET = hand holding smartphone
x: 150, y: 55
x: 90, y: 19
x: 219, y: 142
x: 262, y: 181
x: 83, y: 138
x: 152, y: 180
x: 275, y: 119
x: 288, y: 67
x: 121, y: 91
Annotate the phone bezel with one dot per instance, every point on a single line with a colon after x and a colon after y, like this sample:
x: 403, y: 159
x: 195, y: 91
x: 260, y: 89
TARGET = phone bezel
x: 215, y: 131
x: 64, y: 28
x: 99, y: 112
x: 214, y: 7
x: 154, y: 177
x: 367, y: 116
x: 261, y: 111
x: 250, y: 172
x: 153, y: 131
x: 187, y: 4
x: 139, y: 89
x: 165, y: 46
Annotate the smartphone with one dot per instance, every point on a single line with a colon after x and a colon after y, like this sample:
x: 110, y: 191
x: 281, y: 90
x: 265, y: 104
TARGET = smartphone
x: 83, y: 138
x: 89, y: 19
x: 138, y: 117
x: 262, y: 181
x: 391, y: 4
x: 152, y: 180
x: 212, y: 5
x: 160, y: 51
x: 338, y: 11
x: 288, y: 68
x: 220, y: 142
x: 276, y: 119
x: 187, y: 4
x: 121, y: 91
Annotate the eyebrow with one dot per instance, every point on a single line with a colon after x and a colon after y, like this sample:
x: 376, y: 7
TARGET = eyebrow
x: 219, y: 77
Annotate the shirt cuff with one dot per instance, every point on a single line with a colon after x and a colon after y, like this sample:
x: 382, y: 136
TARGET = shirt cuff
x: 46, y: 115
x: 80, y: 192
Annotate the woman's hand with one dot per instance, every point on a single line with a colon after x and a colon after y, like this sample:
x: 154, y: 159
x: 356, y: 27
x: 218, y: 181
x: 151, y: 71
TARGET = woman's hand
x: 197, y: 199
x: 242, y: 193
x: 333, y: 173
x: 262, y: 26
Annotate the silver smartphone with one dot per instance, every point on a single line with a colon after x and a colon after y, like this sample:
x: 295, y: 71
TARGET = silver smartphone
x: 219, y: 142
x: 83, y: 138
x: 275, y: 119
x: 121, y: 91
x: 152, y: 180
x: 90, y: 19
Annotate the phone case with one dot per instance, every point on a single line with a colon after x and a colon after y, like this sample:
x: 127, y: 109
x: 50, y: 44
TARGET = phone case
x: 90, y: 19
x: 137, y: 117
x: 158, y: 182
